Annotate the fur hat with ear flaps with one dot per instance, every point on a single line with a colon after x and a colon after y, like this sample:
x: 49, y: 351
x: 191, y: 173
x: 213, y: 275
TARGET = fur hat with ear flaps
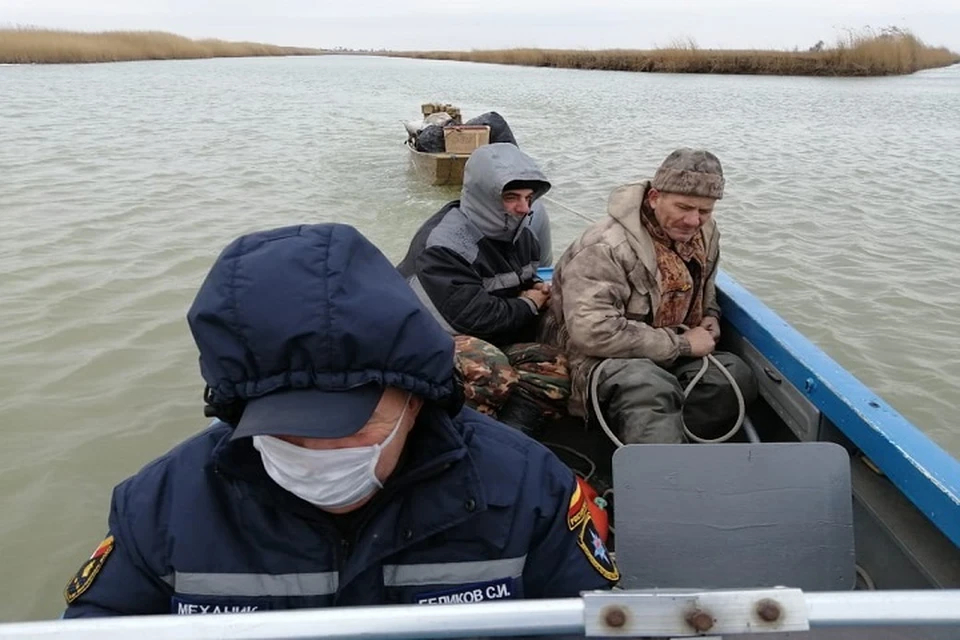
x: 691, y: 172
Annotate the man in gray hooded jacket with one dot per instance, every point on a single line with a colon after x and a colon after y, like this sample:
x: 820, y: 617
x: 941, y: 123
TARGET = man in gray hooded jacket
x: 474, y: 266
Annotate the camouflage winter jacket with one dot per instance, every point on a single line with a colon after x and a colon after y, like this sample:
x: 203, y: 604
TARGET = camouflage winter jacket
x: 606, y: 287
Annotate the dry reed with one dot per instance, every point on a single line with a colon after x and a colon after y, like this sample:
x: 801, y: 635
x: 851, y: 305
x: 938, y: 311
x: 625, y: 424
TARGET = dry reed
x: 33, y: 45
x: 866, y: 53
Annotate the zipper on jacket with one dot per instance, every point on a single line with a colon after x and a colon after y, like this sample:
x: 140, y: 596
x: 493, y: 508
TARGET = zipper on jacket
x: 346, y: 546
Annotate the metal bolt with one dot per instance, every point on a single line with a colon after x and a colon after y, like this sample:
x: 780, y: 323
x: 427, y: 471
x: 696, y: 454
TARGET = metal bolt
x: 700, y: 620
x: 768, y: 610
x: 615, y: 617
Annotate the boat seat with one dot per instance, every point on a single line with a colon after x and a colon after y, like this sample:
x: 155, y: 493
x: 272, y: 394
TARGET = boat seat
x: 734, y: 516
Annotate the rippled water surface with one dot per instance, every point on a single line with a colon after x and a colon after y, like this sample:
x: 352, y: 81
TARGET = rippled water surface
x: 120, y: 183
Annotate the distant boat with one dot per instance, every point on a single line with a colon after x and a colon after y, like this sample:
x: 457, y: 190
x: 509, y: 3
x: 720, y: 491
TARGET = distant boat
x: 444, y: 167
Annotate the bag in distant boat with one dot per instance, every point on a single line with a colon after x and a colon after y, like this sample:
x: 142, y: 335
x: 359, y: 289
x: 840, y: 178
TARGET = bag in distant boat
x: 430, y: 138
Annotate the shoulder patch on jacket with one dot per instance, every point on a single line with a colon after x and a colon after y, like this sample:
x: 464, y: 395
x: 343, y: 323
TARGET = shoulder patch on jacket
x: 577, y: 510
x: 580, y: 521
x: 590, y: 542
x: 84, y: 577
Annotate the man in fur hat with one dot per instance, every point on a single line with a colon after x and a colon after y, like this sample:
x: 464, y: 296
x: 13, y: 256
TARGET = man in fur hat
x: 634, y: 305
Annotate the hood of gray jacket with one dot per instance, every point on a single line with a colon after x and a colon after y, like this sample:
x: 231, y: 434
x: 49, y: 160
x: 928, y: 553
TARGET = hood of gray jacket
x: 489, y: 169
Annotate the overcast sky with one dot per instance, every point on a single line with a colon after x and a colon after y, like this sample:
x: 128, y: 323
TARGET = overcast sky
x: 467, y: 24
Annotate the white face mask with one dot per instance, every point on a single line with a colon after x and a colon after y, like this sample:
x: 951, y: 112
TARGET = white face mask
x: 328, y: 478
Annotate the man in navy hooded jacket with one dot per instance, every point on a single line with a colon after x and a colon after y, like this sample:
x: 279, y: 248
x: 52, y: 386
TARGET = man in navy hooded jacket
x: 342, y: 470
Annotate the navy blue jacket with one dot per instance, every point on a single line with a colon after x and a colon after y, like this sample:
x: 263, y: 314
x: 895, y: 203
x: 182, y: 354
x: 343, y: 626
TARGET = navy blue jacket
x: 476, y: 511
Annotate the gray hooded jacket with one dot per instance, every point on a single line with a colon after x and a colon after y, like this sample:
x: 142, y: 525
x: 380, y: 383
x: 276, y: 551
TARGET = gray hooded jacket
x: 470, y: 261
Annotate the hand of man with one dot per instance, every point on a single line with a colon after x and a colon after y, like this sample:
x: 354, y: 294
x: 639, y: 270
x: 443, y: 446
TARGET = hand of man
x: 712, y: 325
x: 537, y: 296
x: 701, y: 342
x: 542, y: 286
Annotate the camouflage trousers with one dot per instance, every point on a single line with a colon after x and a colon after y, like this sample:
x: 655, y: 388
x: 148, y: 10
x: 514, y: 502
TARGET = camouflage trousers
x: 533, y: 371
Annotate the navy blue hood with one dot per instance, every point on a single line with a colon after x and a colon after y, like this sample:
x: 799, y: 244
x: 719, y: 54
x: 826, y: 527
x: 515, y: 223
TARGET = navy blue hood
x: 314, y: 307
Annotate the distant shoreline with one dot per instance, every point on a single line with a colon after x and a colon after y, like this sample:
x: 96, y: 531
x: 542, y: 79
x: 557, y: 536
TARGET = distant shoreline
x: 48, y: 46
x: 891, y: 52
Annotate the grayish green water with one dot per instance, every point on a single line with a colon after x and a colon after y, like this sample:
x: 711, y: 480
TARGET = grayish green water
x: 119, y: 184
